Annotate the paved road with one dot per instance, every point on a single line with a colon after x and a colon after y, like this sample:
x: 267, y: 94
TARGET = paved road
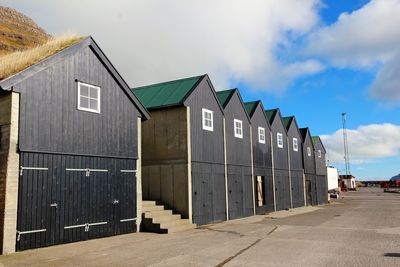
x: 363, y: 229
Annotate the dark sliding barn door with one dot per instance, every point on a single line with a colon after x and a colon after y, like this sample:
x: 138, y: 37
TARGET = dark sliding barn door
x: 282, y: 189
x: 311, y: 190
x: 297, y: 189
x: 208, y: 197
x: 72, y: 198
x: 240, y: 192
x: 322, y: 189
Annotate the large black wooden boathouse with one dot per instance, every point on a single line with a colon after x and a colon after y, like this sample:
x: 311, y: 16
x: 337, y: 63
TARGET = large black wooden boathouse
x: 183, y: 148
x: 72, y: 174
x: 262, y: 158
x: 238, y: 155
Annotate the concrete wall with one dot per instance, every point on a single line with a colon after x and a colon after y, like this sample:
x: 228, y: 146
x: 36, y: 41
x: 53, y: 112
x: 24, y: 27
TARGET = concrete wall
x: 139, y: 196
x: 165, y: 159
x: 9, y: 170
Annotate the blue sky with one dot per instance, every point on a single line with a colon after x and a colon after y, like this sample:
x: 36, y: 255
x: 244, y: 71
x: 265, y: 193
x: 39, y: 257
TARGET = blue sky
x: 311, y: 58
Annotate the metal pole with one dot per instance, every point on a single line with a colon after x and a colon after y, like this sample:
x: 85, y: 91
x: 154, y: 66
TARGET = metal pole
x: 345, y: 145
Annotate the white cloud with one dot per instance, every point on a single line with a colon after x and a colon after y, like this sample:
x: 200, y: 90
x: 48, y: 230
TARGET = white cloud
x: 366, y: 143
x: 364, y: 39
x: 361, y: 38
x: 151, y: 41
x: 387, y: 83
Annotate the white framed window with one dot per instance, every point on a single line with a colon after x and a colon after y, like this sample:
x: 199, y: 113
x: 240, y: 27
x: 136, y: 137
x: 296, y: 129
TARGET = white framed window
x: 261, y: 135
x: 238, y: 128
x: 308, y: 151
x: 279, y: 140
x: 208, y: 119
x: 88, y: 97
x: 319, y: 154
x: 295, y: 144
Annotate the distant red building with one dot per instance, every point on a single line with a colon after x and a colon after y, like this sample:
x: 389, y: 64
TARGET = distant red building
x: 347, y: 182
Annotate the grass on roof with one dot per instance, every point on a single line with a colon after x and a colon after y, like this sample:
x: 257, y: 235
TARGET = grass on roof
x: 15, y: 62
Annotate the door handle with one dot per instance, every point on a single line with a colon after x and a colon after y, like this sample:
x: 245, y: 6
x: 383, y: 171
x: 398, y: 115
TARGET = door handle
x: 54, y: 205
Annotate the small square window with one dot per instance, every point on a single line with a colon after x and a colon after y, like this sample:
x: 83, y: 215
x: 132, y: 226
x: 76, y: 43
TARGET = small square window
x: 261, y: 135
x: 88, y: 97
x: 279, y: 140
x: 308, y: 151
x: 319, y: 154
x: 295, y: 144
x: 208, y: 120
x: 238, y: 127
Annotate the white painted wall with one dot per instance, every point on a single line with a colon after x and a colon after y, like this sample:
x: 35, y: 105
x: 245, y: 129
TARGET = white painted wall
x: 332, y: 178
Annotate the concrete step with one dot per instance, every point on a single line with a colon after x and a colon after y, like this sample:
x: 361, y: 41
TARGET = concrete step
x: 148, y: 203
x: 166, y: 218
x: 181, y: 228
x: 153, y: 208
x: 157, y: 213
x: 155, y: 218
x: 173, y: 223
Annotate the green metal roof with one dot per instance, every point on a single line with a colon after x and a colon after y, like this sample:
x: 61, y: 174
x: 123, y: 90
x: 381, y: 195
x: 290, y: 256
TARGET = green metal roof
x: 287, y: 121
x: 225, y: 96
x: 315, y: 139
x: 271, y: 114
x: 250, y: 107
x: 167, y: 94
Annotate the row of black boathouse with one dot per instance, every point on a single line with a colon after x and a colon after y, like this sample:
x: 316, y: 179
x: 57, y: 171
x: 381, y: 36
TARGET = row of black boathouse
x: 80, y: 150
x: 211, y: 157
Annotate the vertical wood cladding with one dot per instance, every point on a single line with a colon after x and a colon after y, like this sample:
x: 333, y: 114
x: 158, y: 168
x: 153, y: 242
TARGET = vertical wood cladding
x: 208, y: 183
x: 208, y: 196
x: 321, y: 173
x: 262, y: 160
x: 207, y: 146
x: 296, y: 166
x: 296, y: 158
x: 281, y: 160
x: 262, y: 157
x: 281, y: 165
x: 320, y: 164
x: 308, y: 160
x: 54, y: 199
x: 51, y: 122
x: 240, y: 187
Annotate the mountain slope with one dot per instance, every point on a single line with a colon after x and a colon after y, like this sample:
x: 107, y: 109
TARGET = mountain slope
x: 19, y: 32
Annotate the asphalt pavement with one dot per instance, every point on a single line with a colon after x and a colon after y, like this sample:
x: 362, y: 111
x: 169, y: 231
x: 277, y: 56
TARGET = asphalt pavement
x: 363, y: 229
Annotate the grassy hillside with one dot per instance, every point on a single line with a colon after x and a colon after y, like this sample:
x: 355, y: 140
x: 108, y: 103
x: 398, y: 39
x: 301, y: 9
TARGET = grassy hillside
x: 18, y: 32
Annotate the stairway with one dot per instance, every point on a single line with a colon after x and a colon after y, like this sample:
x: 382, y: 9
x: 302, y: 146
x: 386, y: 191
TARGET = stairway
x: 156, y: 219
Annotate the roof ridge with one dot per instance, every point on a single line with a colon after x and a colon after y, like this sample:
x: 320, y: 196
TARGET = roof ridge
x: 168, y: 82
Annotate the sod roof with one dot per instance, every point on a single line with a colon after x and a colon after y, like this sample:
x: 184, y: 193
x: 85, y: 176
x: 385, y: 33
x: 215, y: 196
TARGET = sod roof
x: 15, y: 62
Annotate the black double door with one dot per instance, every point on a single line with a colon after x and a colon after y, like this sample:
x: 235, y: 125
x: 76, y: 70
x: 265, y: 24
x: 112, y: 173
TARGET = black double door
x: 72, y: 198
x: 240, y: 192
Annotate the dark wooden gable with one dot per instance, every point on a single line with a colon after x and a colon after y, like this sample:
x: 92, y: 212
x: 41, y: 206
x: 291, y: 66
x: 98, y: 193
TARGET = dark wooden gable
x: 238, y: 149
x: 262, y: 156
x: 320, y: 164
x: 308, y: 159
x: 49, y: 118
x: 280, y: 155
x: 207, y: 146
x: 296, y: 160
